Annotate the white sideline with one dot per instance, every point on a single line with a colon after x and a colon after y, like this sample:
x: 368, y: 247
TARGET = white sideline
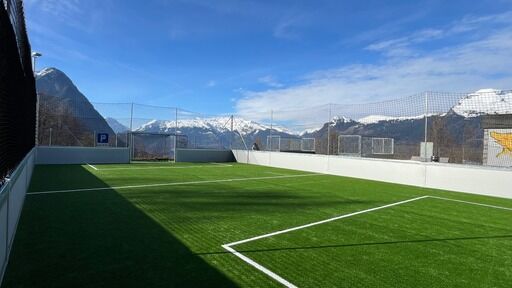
x: 274, y: 173
x: 164, y: 167
x: 172, y: 184
x: 472, y: 203
x: 220, y: 164
x: 228, y: 247
x: 92, y: 166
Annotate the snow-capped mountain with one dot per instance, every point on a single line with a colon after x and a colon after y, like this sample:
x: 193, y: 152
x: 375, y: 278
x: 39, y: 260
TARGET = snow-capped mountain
x: 372, y: 119
x: 484, y: 101
x: 214, y: 132
x: 213, y: 124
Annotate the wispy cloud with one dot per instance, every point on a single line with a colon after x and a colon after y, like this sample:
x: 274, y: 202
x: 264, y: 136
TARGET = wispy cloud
x: 467, y: 66
x: 86, y: 16
x: 403, y: 46
x: 270, y: 81
x: 288, y: 27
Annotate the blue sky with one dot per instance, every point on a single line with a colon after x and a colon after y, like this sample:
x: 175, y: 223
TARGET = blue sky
x: 246, y: 57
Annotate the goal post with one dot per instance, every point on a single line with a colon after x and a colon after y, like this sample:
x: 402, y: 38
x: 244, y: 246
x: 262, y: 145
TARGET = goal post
x: 273, y: 143
x: 307, y: 144
x: 349, y: 145
x: 383, y: 146
x: 147, y: 146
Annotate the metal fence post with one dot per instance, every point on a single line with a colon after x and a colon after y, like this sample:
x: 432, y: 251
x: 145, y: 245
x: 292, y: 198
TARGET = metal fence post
x: 329, y: 130
x: 231, y: 138
x: 426, y: 127
x: 129, y: 142
x: 176, y: 135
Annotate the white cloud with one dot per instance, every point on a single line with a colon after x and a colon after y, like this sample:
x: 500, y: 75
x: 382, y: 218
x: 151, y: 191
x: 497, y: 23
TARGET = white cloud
x: 287, y: 27
x: 465, y: 67
x: 270, y: 81
x: 211, y: 83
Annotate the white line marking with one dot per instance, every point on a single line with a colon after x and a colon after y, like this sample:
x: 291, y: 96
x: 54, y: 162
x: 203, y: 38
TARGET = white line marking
x: 260, y: 267
x: 92, y: 166
x: 323, y: 221
x: 472, y: 203
x: 273, y: 275
x: 221, y: 164
x: 273, y: 173
x: 172, y: 184
x: 164, y: 167
x: 285, y: 282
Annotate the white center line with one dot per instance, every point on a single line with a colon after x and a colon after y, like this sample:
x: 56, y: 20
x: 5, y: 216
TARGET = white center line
x: 172, y: 184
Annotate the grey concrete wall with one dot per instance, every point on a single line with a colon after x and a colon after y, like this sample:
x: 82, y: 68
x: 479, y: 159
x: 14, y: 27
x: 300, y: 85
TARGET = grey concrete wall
x: 470, y: 179
x: 81, y: 155
x: 204, y: 155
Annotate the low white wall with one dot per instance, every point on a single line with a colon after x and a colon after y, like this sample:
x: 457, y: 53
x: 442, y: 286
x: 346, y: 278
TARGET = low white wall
x: 204, y: 155
x: 81, y: 155
x: 12, y: 197
x: 470, y: 179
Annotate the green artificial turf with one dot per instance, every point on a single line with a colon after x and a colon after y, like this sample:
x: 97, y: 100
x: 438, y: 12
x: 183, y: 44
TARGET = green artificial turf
x: 171, y: 235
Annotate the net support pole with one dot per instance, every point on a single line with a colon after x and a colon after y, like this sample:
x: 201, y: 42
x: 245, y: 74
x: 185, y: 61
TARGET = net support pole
x: 426, y: 127
x: 175, y: 133
x: 231, y: 138
x: 329, y: 131
x: 130, y: 141
x: 271, y: 128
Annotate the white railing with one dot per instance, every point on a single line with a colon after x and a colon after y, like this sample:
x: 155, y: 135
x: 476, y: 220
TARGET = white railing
x: 12, y: 196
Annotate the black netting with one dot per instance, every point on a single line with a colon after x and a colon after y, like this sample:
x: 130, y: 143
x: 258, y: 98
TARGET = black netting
x: 17, y: 88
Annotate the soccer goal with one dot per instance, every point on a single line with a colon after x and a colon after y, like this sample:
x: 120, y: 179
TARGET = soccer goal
x: 307, y: 144
x: 383, y: 146
x: 289, y: 144
x: 273, y: 143
x: 349, y: 145
x: 152, y: 146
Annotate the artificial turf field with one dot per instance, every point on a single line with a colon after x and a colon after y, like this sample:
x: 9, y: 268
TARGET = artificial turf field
x: 164, y: 225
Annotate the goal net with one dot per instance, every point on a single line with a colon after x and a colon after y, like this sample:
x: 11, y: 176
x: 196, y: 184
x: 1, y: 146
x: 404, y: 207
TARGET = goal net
x: 383, y: 146
x: 273, y: 143
x: 307, y: 144
x: 153, y: 146
x: 349, y: 145
x: 289, y: 144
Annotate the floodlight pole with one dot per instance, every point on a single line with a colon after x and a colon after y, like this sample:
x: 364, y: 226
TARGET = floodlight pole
x: 36, y: 55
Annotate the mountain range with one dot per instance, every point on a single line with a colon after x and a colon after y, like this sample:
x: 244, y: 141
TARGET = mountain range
x: 214, y: 132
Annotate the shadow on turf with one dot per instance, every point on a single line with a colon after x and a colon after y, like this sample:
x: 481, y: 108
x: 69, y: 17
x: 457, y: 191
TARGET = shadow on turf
x: 368, y: 244
x: 98, y: 239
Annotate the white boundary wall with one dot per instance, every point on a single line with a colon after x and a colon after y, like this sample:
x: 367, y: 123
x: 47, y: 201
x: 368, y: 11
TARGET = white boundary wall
x: 81, y: 155
x: 12, y: 197
x: 470, y: 179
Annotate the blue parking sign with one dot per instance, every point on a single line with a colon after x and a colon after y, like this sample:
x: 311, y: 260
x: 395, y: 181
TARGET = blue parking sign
x: 102, y: 138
